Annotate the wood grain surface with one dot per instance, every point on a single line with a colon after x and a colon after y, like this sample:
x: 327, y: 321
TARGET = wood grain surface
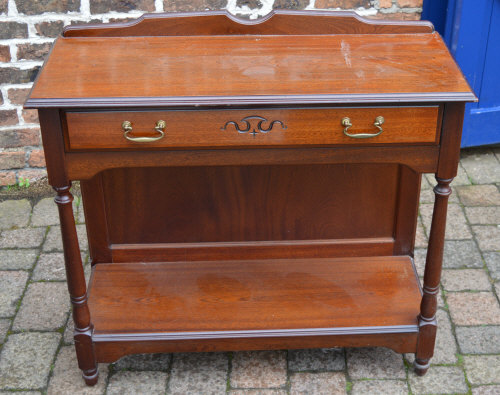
x: 227, y: 128
x: 115, y: 71
x: 223, y: 23
x: 254, y: 295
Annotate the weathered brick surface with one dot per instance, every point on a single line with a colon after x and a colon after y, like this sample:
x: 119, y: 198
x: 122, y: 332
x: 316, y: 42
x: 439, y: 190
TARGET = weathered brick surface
x: 3, y: 6
x: 293, y: 4
x: 102, y: 6
x: 49, y: 29
x: 14, y: 75
x: 30, y: 7
x: 7, y: 178
x: 32, y: 51
x: 4, y: 55
x: 30, y: 116
x: 13, y: 30
x: 410, y: 3
x: 37, y: 158
x: 17, y: 96
x: 342, y: 3
x: 11, y: 160
x: 19, y: 138
x: 194, y: 5
x: 8, y: 117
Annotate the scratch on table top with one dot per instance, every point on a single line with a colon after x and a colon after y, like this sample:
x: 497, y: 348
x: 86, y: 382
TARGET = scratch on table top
x: 345, y: 48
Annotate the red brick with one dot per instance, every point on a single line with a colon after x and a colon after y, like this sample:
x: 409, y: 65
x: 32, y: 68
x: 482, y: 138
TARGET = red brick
x: 344, y: 4
x: 292, y: 4
x: 13, y: 30
x: 103, y: 6
x: 406, y: 16
x: 32, y: 174
x: 410, y: 3
x: 29, y: 51
x: 194, y: 5
x: 19, y: 138
x: 49, y: 29
x: 18, y: 96
x: 4, y: 53
x: 8, y: 118
x: 37, y: 158
x: 7, y: 178
x: 30, y: 7
x: 11, y: 160
x: 385, y: 3
x: 30, y: 116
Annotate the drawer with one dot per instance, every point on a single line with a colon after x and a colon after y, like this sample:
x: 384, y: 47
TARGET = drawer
x: 252, y: 128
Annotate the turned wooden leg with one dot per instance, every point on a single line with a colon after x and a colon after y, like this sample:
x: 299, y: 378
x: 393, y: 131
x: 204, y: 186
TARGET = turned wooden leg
x: 432, y: 275
x: 76, y: 286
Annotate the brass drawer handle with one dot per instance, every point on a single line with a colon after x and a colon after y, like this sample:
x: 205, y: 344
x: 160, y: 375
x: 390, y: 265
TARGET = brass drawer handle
x: 159, y: 127
x: 346, y: 122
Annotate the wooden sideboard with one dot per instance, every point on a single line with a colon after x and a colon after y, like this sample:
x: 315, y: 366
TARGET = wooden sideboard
x: 250, y: 184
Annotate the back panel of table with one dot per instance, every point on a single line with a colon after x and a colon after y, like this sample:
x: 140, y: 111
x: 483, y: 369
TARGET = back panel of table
x: 321, y: 210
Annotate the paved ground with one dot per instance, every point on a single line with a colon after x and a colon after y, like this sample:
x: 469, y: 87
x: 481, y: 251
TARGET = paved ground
x: 35, y: 335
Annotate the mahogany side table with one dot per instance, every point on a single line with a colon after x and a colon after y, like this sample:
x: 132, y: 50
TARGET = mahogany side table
x: 250, y: 184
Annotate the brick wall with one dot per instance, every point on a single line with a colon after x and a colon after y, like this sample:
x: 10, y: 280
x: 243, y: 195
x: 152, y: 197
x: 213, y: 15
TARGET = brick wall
x: 28, y: 27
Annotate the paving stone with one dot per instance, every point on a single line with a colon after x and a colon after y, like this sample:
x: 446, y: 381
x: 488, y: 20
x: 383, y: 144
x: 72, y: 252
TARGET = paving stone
x: 377, y: 387
x: 317, y: 383
x: 17, y: 259
x: 26, y: 358
x: 482, y: 369
x: 483, y: 215
x: 12, y: 285
x: 198, y: 373
x: 420, y: 237
x: 461, y: 254
x: 439, y: 380
x: 67, y: 378
x: 133, y: 383
x: 478, y: 339
x: 151, y: 362
x: 45, y: 306
x: 54, y: 242
x: 316, y: 359
x: 488, y: 237
x: 259, y: 369
x: 22, y: 238
x: 68, y: 332
x: 468, y: 308
x: 481, y: 165
x: 375, y: 363
x: 4, y: 327
x: 465, y: 280
x: 456, y: 224
x: 50, y: 267
x: 461, y: 178
x: 445, y: 351
x: 427, y: 196
x: 419, y: 257
x: 492, y: 260
x: 14, y: 213
x: 45, y: 213
x: 486, y: 390
x: 479, y: 195
x: 258, y: 392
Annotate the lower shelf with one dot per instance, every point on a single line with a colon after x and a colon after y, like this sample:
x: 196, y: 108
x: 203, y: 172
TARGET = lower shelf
x: 186, y: 301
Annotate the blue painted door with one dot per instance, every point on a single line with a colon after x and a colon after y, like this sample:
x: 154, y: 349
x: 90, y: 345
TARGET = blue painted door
x: 471, y: 29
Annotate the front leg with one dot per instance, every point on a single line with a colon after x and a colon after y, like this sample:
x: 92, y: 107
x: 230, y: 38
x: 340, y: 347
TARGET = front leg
x: 432, y: 275
x: 76, y: 286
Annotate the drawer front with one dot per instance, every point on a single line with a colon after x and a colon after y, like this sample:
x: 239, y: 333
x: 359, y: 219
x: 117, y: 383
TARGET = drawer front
x: 252, y: 128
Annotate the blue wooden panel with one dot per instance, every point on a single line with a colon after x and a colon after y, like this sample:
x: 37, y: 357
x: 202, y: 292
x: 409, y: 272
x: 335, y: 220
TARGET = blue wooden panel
x: 472, y: 32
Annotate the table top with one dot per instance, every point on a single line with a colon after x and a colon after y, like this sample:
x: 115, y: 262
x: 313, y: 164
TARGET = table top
x: 248, y: 69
